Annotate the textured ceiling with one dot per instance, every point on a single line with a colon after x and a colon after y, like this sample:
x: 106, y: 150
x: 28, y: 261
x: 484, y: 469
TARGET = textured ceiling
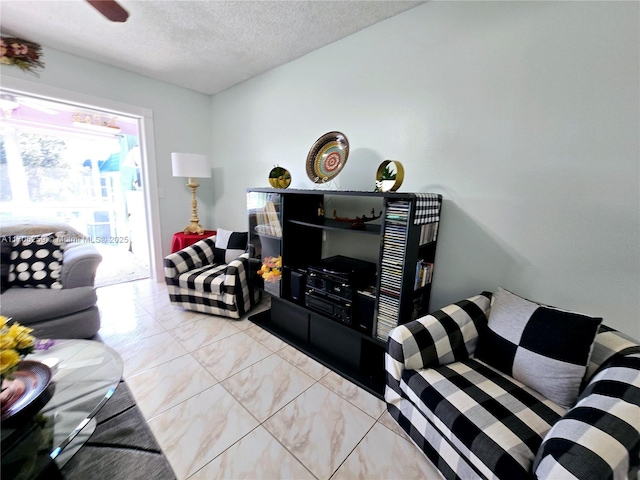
x: 206, y: 46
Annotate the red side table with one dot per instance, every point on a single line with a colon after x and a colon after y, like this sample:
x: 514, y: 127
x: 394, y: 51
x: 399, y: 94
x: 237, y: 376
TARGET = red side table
x: 182, y: 240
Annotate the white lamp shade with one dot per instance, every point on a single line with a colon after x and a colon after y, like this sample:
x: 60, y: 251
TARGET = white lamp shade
x: 190, y: 165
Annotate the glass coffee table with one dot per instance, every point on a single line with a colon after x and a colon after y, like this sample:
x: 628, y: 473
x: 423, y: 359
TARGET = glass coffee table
x: 85, y: 375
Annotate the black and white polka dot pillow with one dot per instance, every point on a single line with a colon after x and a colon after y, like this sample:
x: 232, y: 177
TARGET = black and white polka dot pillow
x: 36, y: 261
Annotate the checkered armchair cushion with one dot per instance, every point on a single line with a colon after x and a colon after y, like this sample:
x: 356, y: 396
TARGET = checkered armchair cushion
x: 445, y: 336
x: 600, y: 436
x: 196, y: 282
x: 474, y: 421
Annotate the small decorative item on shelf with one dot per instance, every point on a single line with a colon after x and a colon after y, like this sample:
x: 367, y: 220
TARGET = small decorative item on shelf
x: 279, y: 177
x: 390, y: 176
x: 271, y: 270
x: 271, y: 273
x: 23, y: 54
x: 358, y: 222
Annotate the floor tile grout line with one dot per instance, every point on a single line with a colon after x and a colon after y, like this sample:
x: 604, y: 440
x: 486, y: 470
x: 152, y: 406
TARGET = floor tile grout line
x: 262, y: 423
x: 352, y: 450
x: 186, y: 399
x: 202, y: 346
x: 180, y: 403
x: 347, y: 399
x: 106, y: 338
x: 242, y: 369
x: 147, y: 368
x: 299, y: 368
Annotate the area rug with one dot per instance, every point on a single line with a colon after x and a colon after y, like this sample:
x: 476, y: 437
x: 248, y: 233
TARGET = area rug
x: 121, y: 447
x: 118, y: 266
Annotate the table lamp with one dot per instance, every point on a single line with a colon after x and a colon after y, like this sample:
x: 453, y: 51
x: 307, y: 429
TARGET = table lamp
x: 191, y: 165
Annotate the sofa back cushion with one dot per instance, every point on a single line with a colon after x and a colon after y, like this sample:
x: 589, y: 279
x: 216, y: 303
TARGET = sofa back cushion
x: 229, y: 245
x: 546, y: 348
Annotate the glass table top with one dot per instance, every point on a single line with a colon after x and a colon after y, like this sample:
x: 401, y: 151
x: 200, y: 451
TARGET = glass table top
x: 85, y: 375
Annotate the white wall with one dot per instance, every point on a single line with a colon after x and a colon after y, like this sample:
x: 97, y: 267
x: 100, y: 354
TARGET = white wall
x: 524, y: 115
x: 181, y: 120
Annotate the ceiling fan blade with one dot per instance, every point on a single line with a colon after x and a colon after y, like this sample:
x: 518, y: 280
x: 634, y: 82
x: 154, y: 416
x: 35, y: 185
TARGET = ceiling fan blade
x: 110, y: 9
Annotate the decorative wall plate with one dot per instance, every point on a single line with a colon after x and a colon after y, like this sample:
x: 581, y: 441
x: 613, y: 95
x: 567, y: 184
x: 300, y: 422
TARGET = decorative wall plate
x: 327, y: 157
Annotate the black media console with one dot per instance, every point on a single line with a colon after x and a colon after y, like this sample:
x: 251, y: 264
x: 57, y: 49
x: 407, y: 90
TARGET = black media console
x: 344, y: 284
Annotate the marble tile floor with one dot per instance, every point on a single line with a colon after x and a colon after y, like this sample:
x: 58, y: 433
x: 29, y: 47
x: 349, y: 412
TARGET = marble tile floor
x: 227, y: 400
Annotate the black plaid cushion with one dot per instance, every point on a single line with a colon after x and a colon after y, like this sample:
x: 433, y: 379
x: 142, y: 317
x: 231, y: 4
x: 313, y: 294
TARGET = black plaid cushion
x: 545, y: 348
x: 229, y: 245
x: 445, y: 336
x: 36, y: 261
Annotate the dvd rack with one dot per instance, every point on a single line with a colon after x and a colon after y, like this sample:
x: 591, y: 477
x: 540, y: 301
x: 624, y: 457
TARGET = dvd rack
x: 394, y: 242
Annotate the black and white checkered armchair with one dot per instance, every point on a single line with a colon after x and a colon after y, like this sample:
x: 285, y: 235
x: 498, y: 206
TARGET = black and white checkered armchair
x: 473, y: 420
x: 212, y: 279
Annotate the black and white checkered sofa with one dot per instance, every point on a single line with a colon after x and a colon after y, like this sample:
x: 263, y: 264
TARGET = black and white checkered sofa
x: 198, y: 279
x: 473, y: 421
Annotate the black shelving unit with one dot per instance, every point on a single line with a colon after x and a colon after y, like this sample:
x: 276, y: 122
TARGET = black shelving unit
x: 287, y: 223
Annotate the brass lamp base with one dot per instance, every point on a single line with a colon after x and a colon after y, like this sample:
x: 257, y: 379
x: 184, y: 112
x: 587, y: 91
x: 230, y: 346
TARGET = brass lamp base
x: 194, y: 227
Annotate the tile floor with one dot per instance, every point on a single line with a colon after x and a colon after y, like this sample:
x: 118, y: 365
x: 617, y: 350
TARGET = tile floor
x: 226, y: 399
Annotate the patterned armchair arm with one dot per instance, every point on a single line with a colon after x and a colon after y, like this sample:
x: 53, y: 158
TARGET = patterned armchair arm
x: 195, y: 256
x: 236, y: 282
x: 600, y: 436
x: 236, y: 274
x: 447, y: 335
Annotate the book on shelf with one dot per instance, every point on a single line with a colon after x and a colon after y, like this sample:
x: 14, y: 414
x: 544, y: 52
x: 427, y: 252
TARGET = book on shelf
x: 268, y: 222
x: 273, y: 220
x: 428, y: 233
x: 424, y: 274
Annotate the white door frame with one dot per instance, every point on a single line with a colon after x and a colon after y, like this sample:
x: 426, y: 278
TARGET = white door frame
x: 147, y: 146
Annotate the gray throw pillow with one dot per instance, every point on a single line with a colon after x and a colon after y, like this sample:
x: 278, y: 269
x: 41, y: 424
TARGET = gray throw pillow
x: 545, y: 348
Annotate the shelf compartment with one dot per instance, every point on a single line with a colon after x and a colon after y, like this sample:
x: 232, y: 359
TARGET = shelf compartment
x: 370, y: 376
x: 329, y: 224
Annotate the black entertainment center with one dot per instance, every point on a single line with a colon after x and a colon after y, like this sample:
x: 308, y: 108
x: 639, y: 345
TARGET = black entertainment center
x: 344, y: 284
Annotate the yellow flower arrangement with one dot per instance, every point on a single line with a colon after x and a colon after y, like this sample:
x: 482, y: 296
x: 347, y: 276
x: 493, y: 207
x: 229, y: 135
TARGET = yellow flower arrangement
x: 271, y: 270
x: 16, y: 341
